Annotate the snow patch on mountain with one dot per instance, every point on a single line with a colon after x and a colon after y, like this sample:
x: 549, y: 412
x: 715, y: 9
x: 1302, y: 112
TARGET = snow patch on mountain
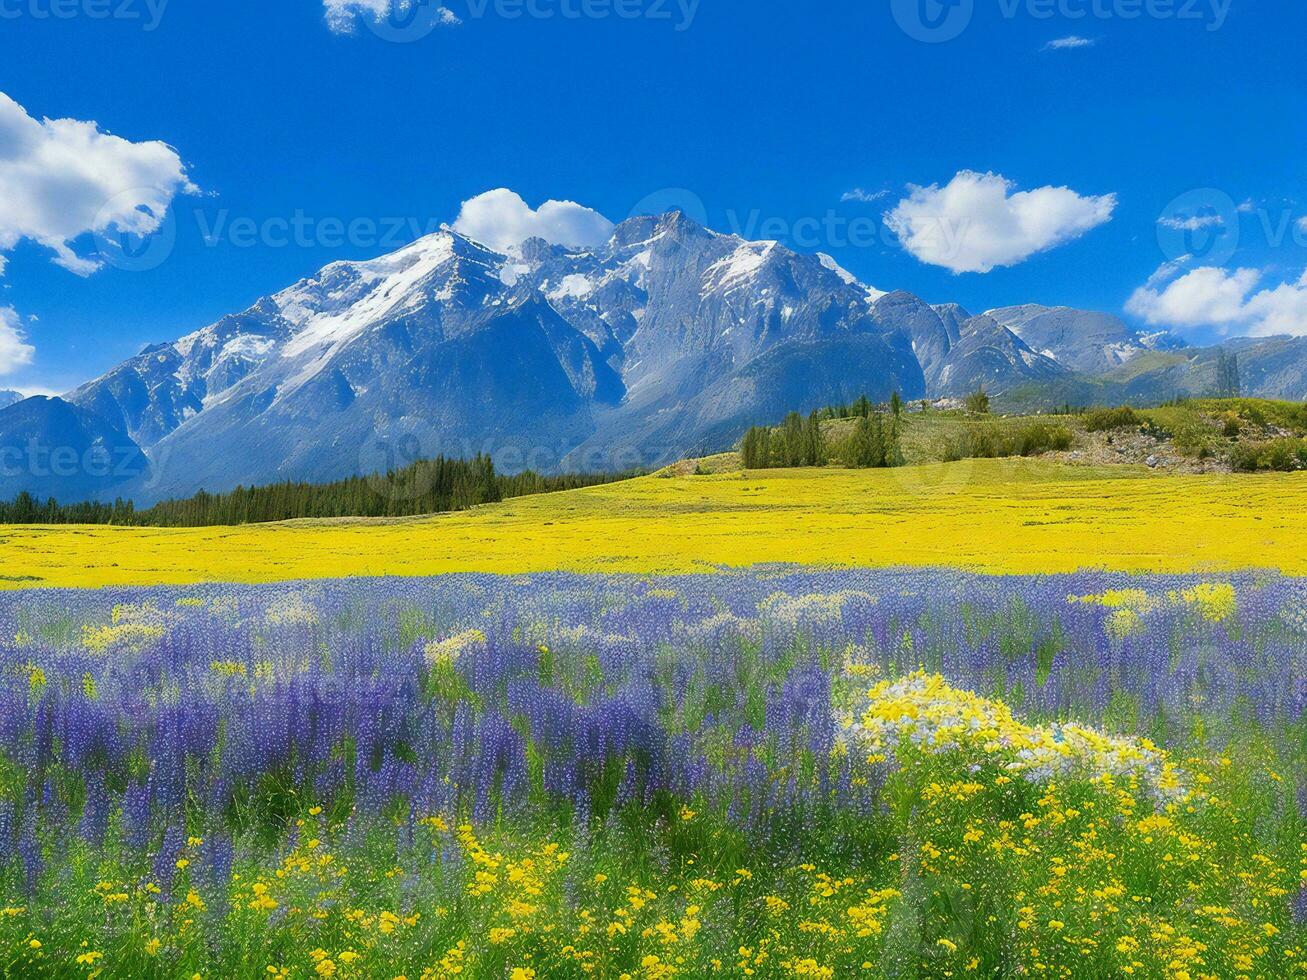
x: 740, y: 265
x: 380, y: 286
x: 574, y: 286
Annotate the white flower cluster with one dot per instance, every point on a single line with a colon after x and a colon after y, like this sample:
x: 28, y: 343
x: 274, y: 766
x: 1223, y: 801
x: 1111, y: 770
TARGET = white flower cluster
x: 924, y: 714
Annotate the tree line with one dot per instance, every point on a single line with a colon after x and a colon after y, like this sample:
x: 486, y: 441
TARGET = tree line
x: 433, y: 486
x: 874, y: 441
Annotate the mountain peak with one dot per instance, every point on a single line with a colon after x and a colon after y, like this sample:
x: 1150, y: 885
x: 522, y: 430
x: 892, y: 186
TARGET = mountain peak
x: 678, y: 225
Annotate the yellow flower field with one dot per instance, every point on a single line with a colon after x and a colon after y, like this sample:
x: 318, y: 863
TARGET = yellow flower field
x: 1002, y: 516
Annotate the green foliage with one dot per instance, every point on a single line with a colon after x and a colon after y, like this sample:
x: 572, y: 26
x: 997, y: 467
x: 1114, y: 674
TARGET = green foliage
x: 1106, y: 419
x: 426, y: 487
x: 1286, y: 455
x: 978, y: 402
x: 1193, y: 435
x: 1227, y: 374
x: 992, y: 440
x: 874, y: 443
x: 1261, y: 412
x: 798, y: 442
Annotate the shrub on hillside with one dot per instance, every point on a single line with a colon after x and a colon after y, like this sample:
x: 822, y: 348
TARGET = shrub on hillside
x: 1193, y: 434
x: 978, y: 402
x: 1106, y: 419
x: 1284, y: 455
x: 995, y: 441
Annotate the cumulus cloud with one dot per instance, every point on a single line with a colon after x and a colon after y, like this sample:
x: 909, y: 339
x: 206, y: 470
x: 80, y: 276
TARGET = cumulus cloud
x: 1067, y: 43
x: 862, y: 197
x: 502, y: 220
x: 15, y: 352
x: 1228, y: 302
x: 978, y: 222
x: 343, y: 15
x: 63, y: 178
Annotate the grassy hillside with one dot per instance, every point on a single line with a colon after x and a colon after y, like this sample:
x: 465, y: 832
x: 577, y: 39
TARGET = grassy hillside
x: 989, y: 515
x: 1198, y: 435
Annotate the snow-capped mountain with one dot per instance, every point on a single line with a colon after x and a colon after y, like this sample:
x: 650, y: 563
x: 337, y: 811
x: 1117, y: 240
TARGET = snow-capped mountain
x: 667, y: 339
x: 8, y: 398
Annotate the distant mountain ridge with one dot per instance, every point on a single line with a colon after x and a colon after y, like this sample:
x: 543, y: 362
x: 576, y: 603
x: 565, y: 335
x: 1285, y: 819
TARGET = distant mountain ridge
x: 8, y: 398
x: 667, y: 339
x: 50, y: 444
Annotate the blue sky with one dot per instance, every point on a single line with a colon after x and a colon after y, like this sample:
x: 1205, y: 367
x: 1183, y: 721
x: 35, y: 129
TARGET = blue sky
x: 759, y: 112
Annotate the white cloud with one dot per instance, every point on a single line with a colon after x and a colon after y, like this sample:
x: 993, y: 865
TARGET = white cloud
x: 1067, y: 43
x: 1167, y: 270
x: 1195, y: 223
x: 502, y: 220
x: 978, y: 222
x: 1302, y: 224
x: 343, y: 15
x: 1223, y: 301
x: 862, y: 197
x: 63, y: 178
x: 15, y: 352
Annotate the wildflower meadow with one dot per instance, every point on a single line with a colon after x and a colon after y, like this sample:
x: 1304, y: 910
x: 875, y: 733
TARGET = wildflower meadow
x: 773, y: 773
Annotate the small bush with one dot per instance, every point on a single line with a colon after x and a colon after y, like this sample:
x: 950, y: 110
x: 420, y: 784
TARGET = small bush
x: 1193, y: 435
x: 1105, y: 419
x: 989, y: 441
x: 1253, y: 414
x: 1283, y: 455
